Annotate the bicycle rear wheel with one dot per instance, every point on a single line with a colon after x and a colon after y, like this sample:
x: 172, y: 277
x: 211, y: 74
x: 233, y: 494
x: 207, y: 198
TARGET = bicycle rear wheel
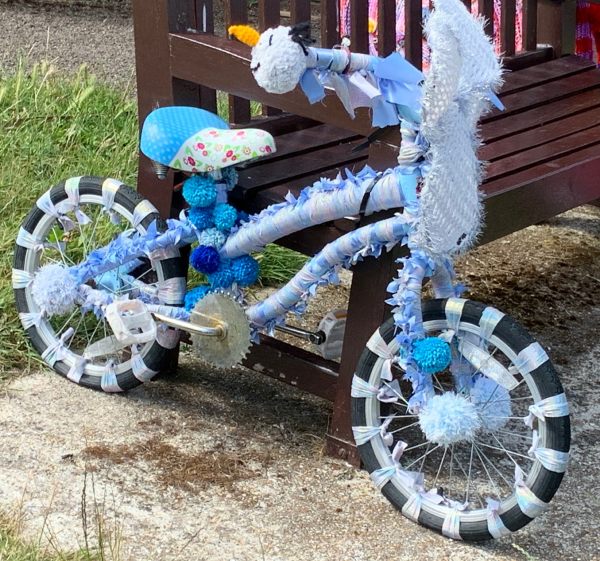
x: 67, y: 223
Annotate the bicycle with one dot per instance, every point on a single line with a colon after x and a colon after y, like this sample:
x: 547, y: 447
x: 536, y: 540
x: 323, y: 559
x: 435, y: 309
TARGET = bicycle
x: 457, y: 412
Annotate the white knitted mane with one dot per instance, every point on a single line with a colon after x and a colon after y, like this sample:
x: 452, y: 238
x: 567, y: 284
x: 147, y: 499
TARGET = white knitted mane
x: 464, y: 68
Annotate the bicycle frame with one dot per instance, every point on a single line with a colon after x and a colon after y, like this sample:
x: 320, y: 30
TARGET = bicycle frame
x: 320, y: 203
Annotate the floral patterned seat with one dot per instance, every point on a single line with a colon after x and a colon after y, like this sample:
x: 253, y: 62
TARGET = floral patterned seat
x: 194, y: 140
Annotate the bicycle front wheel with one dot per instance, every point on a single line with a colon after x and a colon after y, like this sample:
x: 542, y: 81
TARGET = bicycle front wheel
x: 487, y: 451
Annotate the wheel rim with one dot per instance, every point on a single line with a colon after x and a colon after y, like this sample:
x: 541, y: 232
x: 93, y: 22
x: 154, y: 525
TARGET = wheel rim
x: 487, y: 479
x: 78, y: 243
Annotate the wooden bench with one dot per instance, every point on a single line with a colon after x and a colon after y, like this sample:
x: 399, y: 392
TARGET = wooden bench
x: 544, y: 150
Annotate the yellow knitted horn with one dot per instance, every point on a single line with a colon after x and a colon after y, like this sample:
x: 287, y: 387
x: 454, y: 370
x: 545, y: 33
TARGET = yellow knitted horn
x: 245, y: 34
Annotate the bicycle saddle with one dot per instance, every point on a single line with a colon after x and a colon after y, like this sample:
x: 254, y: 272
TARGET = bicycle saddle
x: 195, y: 140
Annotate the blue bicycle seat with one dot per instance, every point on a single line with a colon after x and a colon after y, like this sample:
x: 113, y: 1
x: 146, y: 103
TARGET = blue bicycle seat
x: 195, y: 140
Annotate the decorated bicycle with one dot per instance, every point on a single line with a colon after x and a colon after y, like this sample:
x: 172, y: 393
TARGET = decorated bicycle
x: 457, y: 412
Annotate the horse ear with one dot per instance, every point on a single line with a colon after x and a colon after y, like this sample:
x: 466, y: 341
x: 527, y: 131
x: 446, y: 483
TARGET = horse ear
x: 300, y: 33
x: 245, y: 34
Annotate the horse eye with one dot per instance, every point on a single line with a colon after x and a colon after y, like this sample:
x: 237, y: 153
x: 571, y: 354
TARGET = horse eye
x: 255, y: 68
x: 270, y: 40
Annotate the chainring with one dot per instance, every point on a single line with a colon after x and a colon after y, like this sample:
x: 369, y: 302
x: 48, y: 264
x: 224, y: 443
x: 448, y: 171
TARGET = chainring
x: 227, y: 351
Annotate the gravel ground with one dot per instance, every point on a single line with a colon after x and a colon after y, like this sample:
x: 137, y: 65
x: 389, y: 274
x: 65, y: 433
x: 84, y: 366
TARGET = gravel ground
x: 228, y: 465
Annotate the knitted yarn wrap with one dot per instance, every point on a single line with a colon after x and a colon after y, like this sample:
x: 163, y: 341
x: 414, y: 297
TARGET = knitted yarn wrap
x: 464, y: 69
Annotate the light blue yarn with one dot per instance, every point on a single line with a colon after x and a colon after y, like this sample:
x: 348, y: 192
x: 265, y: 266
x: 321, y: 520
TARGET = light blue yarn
x: 212, y: 238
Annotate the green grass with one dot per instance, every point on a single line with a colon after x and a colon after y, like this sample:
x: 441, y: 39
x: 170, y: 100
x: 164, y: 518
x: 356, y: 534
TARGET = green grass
x: 14, y: 548
x: 55, y: 127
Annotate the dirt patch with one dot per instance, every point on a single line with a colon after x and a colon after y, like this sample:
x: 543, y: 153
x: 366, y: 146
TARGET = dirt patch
x: 189, y: 472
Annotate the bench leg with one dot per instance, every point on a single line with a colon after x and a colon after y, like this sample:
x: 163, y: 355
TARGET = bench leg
x: 366, y: 311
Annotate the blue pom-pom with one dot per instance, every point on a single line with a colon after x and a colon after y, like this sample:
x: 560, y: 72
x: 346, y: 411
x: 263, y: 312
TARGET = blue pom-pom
x: 223, y: 276
x: 202, y: 218
x: 230, y: 175
x: 205, y: 259
x: 199, y: 191
x: 212, y: 237
x: 245, y: 270
x: 224, y: 216
x: 192, y: 296
x: 431, y: 355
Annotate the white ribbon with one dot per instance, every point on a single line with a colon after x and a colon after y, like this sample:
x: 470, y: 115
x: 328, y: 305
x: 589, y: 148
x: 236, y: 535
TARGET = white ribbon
x: 139, y: 368
x: 530, y: 358
x: 21, y: 279
x: 45, y: 204
x: 143, y: 209
x: 27, y: 240
x: 555, y: 406
x: 108, y: 382
x: 77, y: 369
x: 58, y: 350
x: 29, y: 319
x: 496, y: 527
x: 451, y: 525
x: 166, y: 337
x: 360, y: 388
x: 529, y: 504
x: 454, y: 310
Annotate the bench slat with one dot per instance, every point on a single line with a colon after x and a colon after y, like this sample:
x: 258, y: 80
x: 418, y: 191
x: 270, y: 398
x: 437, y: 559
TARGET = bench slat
x: 545, y: 93
x: 299, y: 165
x: 544, y: 153
x: 543, y: 73
x: 217, y: 53
x: 494, y: 130
x: 307, y: 140
x: 540, y: 135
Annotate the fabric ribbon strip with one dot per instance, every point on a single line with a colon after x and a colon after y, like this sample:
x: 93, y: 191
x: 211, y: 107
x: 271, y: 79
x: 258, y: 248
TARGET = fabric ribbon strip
x: 529, y: 504
x: 108, y: 382
x: 45, y: 204
x: 530, y: 358
x: 389, y: 86
x: 322, y: 202
x: 555, y: 406
x: 346, y: 250
x: 496, y: 527
x: 58, y: 350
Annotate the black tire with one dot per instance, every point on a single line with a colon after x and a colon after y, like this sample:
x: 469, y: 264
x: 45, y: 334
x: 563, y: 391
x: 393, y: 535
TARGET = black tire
x: 554, y: 430
x: 169, y: 266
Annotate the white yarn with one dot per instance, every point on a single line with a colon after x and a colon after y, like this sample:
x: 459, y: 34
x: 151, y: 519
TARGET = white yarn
x: 463, y: 70
x: 277, y: 61
x: 449, y: 418
x: 54, y: 290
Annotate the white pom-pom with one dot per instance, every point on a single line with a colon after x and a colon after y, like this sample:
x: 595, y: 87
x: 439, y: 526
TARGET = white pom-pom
x: 492, y: 402
x: 277, y: 61
x: 54, y: 290
x: 449, y: 418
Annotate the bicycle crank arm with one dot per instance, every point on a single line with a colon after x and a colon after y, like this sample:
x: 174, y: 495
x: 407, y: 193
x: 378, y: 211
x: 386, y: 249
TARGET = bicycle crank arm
x: 218, y: 330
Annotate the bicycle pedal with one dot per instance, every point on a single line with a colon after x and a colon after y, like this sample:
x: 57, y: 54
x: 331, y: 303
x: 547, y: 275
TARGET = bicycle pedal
x: 131, y: 322
x: 333, y: 325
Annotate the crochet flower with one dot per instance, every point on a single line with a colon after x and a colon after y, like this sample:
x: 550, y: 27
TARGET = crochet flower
x: 431, y: 355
